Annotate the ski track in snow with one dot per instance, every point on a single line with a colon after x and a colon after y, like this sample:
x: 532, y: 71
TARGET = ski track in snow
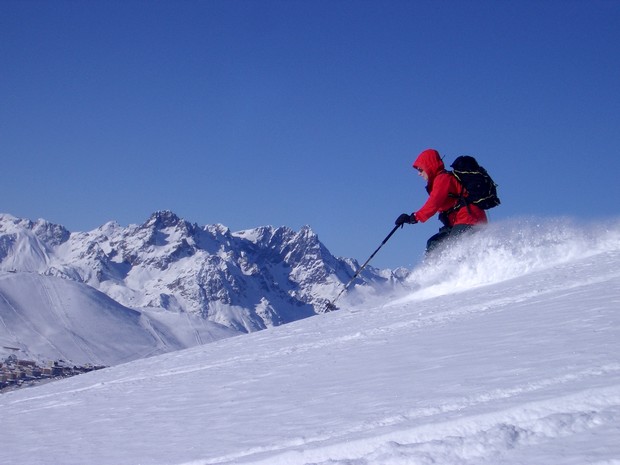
x: 464, y: 440
x: 161, y: 345
x: 12, y: 336
x: 30, y: 327
x: 467, y: 440
x: 58, y: 308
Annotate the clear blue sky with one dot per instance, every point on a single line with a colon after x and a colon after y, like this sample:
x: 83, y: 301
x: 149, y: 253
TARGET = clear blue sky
x: 286, y: 113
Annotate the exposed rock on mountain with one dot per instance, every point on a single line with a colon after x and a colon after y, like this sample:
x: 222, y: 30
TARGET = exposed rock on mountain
x: 246, y: 280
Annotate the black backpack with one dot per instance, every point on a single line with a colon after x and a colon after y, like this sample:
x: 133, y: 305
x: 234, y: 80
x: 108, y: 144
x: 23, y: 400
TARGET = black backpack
x: 475, y: 179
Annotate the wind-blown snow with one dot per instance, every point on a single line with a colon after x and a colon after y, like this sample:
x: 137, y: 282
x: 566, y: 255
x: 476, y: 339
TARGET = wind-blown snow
x: 504, y: 352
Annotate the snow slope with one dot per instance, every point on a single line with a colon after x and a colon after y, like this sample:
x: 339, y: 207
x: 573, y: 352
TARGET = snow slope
x: 50, y: 318
x: 504, y: 352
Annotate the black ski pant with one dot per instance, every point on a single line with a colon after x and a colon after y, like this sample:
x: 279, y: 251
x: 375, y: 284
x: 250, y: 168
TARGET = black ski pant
x: 445, y: 235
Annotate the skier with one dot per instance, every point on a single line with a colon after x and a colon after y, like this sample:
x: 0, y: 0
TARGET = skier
x: 444, y: 193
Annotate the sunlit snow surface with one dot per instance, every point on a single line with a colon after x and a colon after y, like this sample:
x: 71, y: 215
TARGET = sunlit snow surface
x: 504, y: 351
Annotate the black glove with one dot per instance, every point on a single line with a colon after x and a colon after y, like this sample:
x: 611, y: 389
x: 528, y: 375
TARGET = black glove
x: 405, y: 218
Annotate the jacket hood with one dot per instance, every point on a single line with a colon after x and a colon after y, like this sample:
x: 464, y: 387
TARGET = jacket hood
x: 430, y: 161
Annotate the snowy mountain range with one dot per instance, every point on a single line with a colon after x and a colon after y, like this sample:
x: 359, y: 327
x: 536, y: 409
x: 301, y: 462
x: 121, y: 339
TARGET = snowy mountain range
x: 166, y: 284
x: 503, y: 352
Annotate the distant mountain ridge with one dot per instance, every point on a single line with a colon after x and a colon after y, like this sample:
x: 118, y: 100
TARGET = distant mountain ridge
x: 245, y: 281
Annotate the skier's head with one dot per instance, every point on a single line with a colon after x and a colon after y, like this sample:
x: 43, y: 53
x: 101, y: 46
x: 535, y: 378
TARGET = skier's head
x: 430, y: 162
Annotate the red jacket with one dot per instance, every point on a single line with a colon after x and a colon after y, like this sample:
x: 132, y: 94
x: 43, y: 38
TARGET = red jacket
x: 440, y: 185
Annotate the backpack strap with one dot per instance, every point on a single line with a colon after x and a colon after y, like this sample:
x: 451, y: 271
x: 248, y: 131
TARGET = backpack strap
x: 461, y: 202
x: 461, y: 198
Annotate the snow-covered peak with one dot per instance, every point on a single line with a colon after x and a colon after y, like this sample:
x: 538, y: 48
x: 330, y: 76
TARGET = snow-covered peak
x: 162, y: 219
x: 8, y: 223
x: 266, y: 236
x: 247, y: 280
x: 109, y: 228
x: 50, y: 233
x: 218, y: 230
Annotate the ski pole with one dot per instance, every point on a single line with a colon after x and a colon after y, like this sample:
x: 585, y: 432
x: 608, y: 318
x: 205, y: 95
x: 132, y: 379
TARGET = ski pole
x: 332, y: 305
